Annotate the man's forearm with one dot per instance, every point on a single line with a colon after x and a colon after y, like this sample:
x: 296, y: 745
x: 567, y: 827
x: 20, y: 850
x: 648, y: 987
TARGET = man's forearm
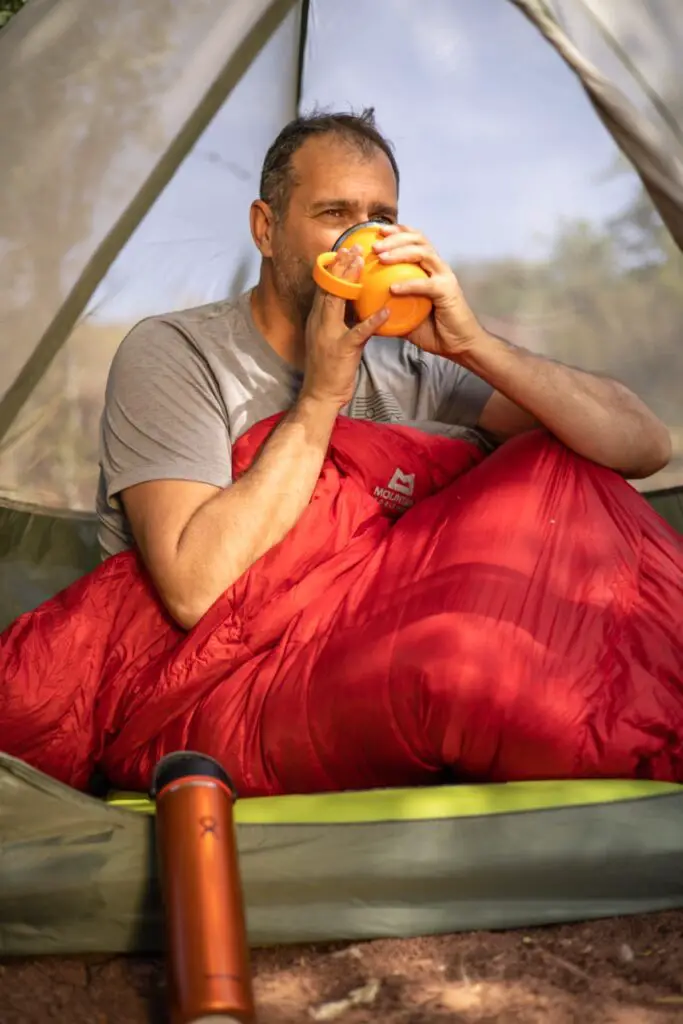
x: 230, y: 532
x: 596, y: 417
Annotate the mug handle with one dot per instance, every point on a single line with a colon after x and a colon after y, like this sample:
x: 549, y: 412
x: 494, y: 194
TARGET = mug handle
x: 334, y: 285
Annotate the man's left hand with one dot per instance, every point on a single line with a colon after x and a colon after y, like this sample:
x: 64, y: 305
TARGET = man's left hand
x: 452, y: 328
x: 594, y: 416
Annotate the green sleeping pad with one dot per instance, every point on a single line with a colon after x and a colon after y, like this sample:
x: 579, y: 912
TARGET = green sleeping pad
x: 78, y: 874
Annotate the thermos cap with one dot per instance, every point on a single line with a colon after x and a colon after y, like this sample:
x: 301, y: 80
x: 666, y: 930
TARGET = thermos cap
x: 182, y: 764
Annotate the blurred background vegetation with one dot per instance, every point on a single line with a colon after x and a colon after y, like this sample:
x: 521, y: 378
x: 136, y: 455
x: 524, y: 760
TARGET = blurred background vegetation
x: 598, y: 300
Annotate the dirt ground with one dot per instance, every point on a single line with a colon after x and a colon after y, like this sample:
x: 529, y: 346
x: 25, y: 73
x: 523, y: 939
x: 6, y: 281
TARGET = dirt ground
x: 628, y: 971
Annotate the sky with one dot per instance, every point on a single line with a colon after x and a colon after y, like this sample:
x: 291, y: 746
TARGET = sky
x: 495, y: 137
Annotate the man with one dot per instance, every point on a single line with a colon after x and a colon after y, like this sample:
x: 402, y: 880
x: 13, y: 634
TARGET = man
x: 184, y: 387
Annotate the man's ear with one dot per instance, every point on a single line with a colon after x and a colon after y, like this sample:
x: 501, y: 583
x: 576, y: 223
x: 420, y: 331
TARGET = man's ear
x: 261, y: 222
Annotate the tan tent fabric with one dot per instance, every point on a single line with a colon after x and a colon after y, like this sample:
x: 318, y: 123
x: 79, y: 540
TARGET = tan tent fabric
x: 627, y: 56
x: 654, y: 145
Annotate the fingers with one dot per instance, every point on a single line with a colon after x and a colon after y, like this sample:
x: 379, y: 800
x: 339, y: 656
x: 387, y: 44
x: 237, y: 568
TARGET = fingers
x: 431, y: 287
x: 363, y: 331
x: 399, y: 236
x: 415, y: 253
x: 407, y: 246
x: 420, y: 286
x: 391, y: 229
x: 390, y: 232
x: 347, y: 265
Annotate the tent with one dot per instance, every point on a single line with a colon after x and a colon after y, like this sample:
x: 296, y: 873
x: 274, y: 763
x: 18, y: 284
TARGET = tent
x: 541, y: 144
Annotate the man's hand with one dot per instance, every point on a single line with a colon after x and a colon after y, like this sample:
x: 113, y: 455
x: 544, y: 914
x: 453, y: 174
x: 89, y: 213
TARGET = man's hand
x: 594, y: 416
x: 333, y: 350
x: 197, y: 540
x: 452, y: 327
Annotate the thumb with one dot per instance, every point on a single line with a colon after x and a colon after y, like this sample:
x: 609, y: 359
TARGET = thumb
x: 363, y: 331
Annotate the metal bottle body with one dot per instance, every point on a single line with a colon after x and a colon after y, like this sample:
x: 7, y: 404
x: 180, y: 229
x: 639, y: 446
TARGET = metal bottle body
x: 208, y: 954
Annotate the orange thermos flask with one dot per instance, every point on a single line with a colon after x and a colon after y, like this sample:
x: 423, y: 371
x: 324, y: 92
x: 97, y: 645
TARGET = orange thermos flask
x: 207, y: 950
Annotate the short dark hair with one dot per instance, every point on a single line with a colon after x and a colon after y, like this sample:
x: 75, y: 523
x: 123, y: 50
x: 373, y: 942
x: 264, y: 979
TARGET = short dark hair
x: 359, y: 130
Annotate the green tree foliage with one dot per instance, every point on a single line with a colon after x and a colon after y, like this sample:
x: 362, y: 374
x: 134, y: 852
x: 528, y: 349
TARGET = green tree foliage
x: 8, y: 8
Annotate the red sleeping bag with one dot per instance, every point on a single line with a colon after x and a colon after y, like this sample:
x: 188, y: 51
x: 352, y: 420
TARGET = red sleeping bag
x: 434, y: 614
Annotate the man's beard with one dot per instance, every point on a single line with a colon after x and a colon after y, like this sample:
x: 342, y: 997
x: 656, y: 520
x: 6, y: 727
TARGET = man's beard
x: 295, y: 285
x: 293, y: 279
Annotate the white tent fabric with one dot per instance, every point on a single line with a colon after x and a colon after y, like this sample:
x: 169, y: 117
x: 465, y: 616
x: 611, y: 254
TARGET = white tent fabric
x: 133, y: 135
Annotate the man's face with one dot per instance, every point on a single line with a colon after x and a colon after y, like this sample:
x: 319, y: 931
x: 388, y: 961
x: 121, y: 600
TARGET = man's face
x: 335, y: 186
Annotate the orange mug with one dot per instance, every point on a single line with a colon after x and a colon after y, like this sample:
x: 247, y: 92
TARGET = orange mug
x: 372, y: 292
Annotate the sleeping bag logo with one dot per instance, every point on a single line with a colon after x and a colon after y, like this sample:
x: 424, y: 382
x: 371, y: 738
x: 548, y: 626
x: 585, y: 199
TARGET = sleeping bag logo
x: 397, y: 496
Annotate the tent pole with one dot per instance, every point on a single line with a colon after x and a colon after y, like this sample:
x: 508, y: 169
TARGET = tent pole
x: 303, y: 36
x: 56, y: 334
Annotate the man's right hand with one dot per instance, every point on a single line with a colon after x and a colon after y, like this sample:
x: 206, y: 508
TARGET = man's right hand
x: 333, y: 350
x: 197, y: 540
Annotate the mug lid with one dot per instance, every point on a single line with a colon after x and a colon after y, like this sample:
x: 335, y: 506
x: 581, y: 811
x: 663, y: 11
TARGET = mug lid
x: 358, y: 227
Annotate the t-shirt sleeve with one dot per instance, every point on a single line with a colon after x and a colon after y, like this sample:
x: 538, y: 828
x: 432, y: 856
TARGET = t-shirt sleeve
x: 459, y: 396
x: 163, y: 417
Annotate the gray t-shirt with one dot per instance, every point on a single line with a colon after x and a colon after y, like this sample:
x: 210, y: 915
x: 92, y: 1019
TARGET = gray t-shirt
x: 184, y: 387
